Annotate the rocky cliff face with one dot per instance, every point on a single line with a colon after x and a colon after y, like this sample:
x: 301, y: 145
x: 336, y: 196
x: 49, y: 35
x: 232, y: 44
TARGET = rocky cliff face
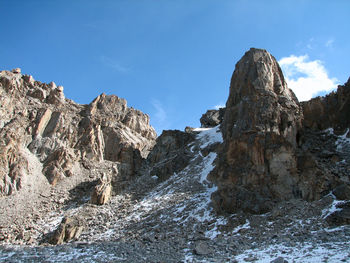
x: 260, y: 127
x: 67, y: 138
x: 330, y: 111
x: 263, y: 159
x: 170, y: 154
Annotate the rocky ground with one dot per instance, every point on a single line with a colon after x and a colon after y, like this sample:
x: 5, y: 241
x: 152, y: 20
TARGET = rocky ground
x: 171, y: 220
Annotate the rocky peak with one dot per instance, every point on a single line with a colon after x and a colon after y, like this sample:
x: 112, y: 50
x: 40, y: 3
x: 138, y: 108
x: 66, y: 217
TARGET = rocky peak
x: 260, y: 127
x: 212, y: 118
x: 259, y: 98
x: 65, y: 136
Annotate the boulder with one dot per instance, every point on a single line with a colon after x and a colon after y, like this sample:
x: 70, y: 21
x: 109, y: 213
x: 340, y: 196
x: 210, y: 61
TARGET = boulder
x: 16, y: 70
x: 342, y: 192
x: 212, y: 118
x: 202, y: 248
x: 69, y: 229
x: 102, y: 192
x: 341, y: 216
x: 279, y: 260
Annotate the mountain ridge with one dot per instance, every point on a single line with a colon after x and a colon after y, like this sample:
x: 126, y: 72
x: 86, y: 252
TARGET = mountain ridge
x: 197, y: 194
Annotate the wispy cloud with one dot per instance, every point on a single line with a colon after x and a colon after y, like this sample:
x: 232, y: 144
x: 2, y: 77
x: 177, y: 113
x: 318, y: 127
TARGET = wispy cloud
x: 220, y: 105
x: 306, y: 78
x: 159, y: 117
x: 329, y: 43
x: 311, y: 43
x: 115, y: 65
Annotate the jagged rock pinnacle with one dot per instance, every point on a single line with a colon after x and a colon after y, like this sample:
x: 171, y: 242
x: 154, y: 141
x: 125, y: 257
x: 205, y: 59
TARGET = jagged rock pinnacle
x: 260, y: 127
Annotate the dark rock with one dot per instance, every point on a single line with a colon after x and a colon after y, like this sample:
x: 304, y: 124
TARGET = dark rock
x: 341, y: 216
x: 202, y: 248
x: 170, y: 153
x: 342, y: 192
x: 279, y: 260
x: 260, y: 127
x: 212, y: 118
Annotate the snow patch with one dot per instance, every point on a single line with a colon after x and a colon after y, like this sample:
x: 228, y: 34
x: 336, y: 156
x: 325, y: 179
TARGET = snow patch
x: 343, y: 141
x: 208, y: 136
x: 306, y: 252
x: 239, y: 228
x: 333, y: 207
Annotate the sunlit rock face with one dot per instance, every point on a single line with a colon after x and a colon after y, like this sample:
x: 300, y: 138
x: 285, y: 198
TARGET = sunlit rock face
x: 37, y: 121
x: 331, y: 111
x: 257, y: 163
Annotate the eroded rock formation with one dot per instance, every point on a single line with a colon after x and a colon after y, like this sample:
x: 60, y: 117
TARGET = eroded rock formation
x: 212, y: 118
x: 331, y: 111
x: 65, y: 136
x: 260, y: 128
x: 268, y: 155
x: 170, y: 154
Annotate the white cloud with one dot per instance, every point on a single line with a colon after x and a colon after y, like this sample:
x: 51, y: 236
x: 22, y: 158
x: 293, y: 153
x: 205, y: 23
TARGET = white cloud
x: 220, y: 105
x: 160, y: 113
x: 310, y: 44
x: 306, y: 78
x: 159, y: 118
x: 329, y: 43
x: 114, y: 64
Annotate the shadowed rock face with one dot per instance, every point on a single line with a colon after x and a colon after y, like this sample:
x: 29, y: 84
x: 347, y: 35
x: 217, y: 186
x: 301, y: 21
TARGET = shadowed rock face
x: 212, y: 118
x: 170, y: 154
x: 37, y: 121
x: 257, y: 163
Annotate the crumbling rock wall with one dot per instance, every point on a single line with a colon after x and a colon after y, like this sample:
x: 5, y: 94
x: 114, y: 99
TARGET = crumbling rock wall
x: 331, y: 111
x: 65, y: 135
x: 170, y: 154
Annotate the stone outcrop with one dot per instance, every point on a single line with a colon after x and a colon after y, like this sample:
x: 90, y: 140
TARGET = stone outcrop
x: 260, y: 129
x: 212, y: 118
x: 69, y: 229
x: 274, y: 148
x: 331, y: 111
x: 65, y: 136
x: 102, y: 191
x: 170, y: 154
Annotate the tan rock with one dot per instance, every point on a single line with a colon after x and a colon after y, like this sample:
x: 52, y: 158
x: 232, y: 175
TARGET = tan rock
x: 64, y: 135
x: 16, y: 70
x: 102, y: 192
x: 69, y: 229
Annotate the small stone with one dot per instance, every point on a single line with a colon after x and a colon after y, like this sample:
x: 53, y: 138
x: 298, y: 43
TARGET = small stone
x: 279, y: 260
x: 202, y: 248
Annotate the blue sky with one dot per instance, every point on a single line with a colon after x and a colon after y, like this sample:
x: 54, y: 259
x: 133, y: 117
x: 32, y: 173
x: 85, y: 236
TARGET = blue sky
x: 172, y: 59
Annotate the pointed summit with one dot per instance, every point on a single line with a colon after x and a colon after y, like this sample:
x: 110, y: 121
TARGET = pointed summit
x: 257, y: 164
